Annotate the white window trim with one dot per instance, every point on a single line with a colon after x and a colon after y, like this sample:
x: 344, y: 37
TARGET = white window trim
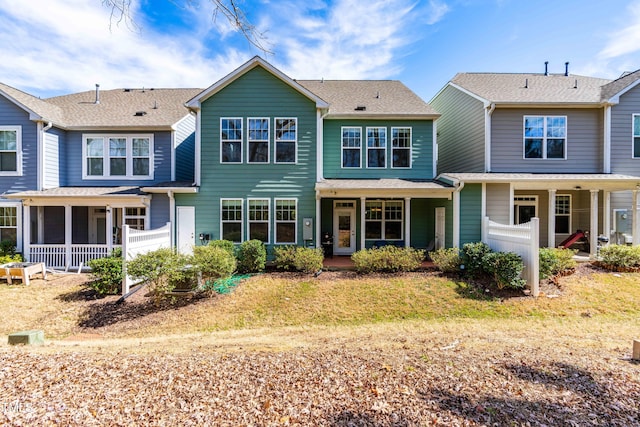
x: 241, y: 220
x: 275, y: 221
x: 633, y: 135
x: 268, y: 140
x: 544, y: 139
x: 232, y: 140
x: 386, y: 139
x: 342, y: 148
x: 570, y: 214
x: 403, y: 148
x: 383, y: 220
x: 520, y: 200
x: 268, y: 222
x: 18, y: 171
x: 19, y: 231
x: 276, y: 140
x: 105, y: 158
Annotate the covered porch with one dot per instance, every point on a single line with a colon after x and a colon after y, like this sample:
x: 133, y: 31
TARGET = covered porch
x: 69, y: 226
x: 361, y: 213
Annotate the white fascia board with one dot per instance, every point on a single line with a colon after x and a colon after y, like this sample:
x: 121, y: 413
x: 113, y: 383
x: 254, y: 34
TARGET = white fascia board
x: 615, y: 99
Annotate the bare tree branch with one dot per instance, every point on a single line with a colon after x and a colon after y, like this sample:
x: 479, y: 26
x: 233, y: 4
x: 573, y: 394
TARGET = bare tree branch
x: 229, y: 9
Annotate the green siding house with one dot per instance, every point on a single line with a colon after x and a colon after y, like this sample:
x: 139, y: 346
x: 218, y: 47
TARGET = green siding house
x: 288, y: 161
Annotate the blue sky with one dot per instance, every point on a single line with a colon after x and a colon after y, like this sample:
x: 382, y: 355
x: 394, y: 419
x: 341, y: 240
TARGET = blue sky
x: 52, y: 47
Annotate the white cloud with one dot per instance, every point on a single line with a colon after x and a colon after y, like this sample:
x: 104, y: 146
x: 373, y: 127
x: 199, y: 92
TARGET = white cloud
x: 626, y: 40
x: 438, y: 11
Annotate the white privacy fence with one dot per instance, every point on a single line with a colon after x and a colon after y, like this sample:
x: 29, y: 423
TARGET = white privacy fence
x: 523, y: 239
x: 136, y: 242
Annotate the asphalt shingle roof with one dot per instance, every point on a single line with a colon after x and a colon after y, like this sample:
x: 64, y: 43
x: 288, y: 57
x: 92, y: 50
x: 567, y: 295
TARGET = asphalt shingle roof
x: 613, y: 88
x: 43, y: 108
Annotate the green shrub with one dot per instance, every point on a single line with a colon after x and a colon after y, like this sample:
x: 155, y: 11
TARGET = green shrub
x: 308, y: 260
x: 162, y: 270
x: 214, y: 261
x: 620, y: 256
x: 227, y: 245
x: 252, y: 256
x: 506, y: 268
x: 555, y: 261
x: 107, y: 273
x: 284, y: 257
x: 472, y: 254
x: 7, y: 247
x: 446, y: 259
x: 7, y: 258
x: 387, y: 259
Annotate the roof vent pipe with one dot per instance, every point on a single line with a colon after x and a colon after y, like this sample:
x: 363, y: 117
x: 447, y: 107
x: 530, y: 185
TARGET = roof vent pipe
x: 526, y: 83
x: 97, y: 93
x: 566, y: 68
x: 546, y: 68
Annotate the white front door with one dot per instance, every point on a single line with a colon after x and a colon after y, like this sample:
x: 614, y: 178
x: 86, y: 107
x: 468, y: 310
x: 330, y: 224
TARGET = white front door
x: 440, y: 228
x: 344, y: 231
x: 186, y: 230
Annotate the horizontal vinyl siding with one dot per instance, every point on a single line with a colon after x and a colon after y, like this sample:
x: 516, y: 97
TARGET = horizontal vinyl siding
x: 185, y: 149
x: 422, y: 150
x: 161, y: 161
x: 460, y: 131
x: 12, y: 115
x: 470, y: 214
x: 622, y: 134
x: 255, y: 94
x: 423, y: 221
x: 498, y: 203
x: 159, y: 210
x: 584, y: 142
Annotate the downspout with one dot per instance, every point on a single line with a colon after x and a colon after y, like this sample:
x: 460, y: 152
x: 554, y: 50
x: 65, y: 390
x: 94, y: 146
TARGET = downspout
x: 456, y: 214
x: 489, y: 108
x: 172, y: 216
x: 319, y: 169
x: 40, y: 172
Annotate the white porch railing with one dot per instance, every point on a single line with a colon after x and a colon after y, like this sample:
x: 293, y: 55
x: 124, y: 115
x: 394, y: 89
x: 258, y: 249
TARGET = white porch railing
x: 56, y: 256
x: 522, y: 239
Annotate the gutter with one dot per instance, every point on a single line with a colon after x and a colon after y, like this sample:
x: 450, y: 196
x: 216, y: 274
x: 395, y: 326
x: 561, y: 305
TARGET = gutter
x: 489, y: 109
x: 456, y: 214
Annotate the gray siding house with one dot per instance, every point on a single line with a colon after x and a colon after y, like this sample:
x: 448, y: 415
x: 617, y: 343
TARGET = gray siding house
x: 559, y: 147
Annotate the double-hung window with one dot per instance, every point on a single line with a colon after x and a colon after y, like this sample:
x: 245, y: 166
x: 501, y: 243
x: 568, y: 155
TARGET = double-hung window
x: 384, y: 219
x: 636, y: 136
x: 231, y: 140
x: 10, y: 150
x: 258, y: 140
x: 401, y: 147
x: 9, y: 224
x: 259, y: 219
x: 231, y: 220
x: 545, y: 137
x: 376, y: 147
x: 285, y: 219
x: 351, y: 145
x: 563, y: 214
x: 118, y: 157
x: 286, y: 140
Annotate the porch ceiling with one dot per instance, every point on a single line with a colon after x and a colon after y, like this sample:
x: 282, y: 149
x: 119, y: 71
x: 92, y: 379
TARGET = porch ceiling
x: 385, y: 187
x: 540, y: 181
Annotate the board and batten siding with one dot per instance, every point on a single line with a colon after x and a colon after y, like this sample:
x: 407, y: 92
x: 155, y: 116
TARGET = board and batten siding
x: 471, y: 214
x: 498, y: 202
x: 12, y: 115
x: 161, y: 161
x: 421, y: 150
x: 584, y: 141
x: 185, y: 148
x: 460, y: 131
x: 255, y: 94
x: 52, y: 159
x: 622, y: 160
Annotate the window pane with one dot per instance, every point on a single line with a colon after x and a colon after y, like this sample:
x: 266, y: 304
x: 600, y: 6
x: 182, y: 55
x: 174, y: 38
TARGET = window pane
x: 636, y: 125
x: 636, y: 147
x: 373, y: 210
x: 401, y: 158
x: 95, y: 147
x: 258, y: 210
x: 533, y: 148
x: 118, y: 166
x: 286, y: 129
x: 258, y: 152
x: 140, y: 147
x: 285, y: 232
x: 562, y: 224
x: 117, y: 147
x: 377, y: 137
x: 534, y: 127
x: 232, y: 152
x: 373, y: 230
x: 8, y: 162
x: 95, y: 167
x: 10, y: 234
x: 8, y: 139
x: 231, y: 129
x: 393, y: 230
x: 259, y: 231
x: 555, y: 149
x: 556, y: 127
x: 141, y: 167
x: 232, y: 231
x: 258, y: 129
x: 351, y: 158
x: 286, y: 152
x: 401, y: 137
x: 376, y: 158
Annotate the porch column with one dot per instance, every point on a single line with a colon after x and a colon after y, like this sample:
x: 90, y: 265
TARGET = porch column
x: 26, y: 231
x: 593, y: 232
x: 606, y: 215
x: 40, y: 237
x: 551, y: 232
x: 635, y: 222
x: 318, y: 224
x: 362, y: 221
x: 456, y: 219
x: 407, y: 220
x: 68, y: 234
x: 109, y: 226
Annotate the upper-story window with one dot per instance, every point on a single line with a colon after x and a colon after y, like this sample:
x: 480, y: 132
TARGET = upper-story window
x: 351, y: 145
x: 10, y: 150
x: 401, y: 147
x: 118, y: 157
x: 286, y: 140
x: 258, y: 140
x: 636, y: 136
x: 545, y: 137
x: 376, y: 147
x: 231, y: 140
